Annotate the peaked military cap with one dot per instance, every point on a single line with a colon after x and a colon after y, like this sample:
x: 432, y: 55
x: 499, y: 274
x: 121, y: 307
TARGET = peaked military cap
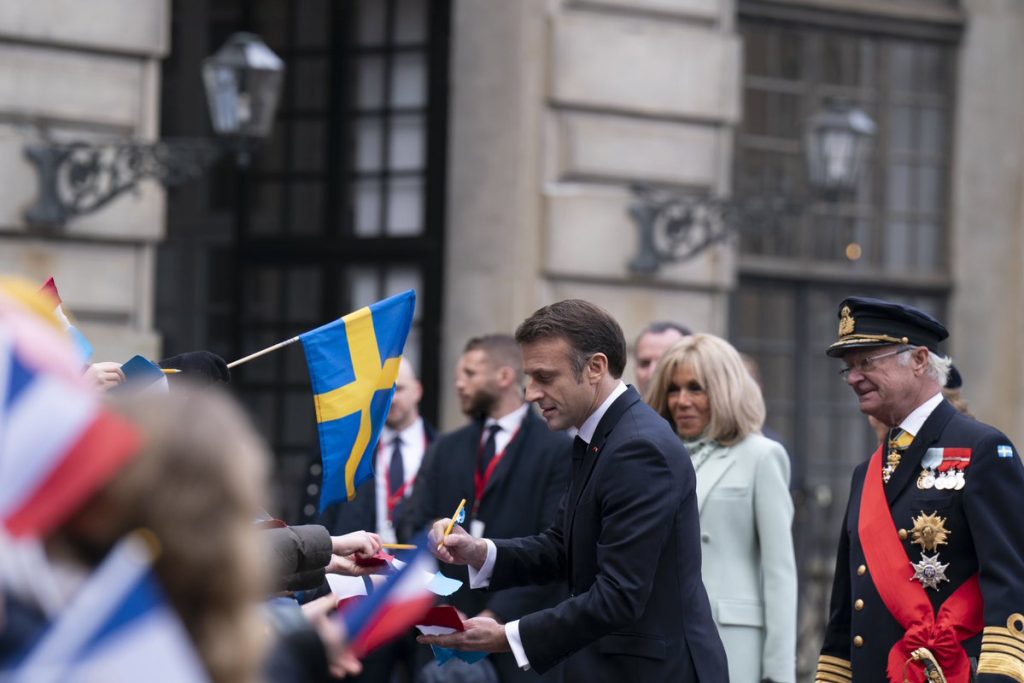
x: 865, y: 322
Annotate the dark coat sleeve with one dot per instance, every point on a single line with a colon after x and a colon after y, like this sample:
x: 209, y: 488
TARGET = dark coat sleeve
x: 992, y: 508
x: 515, y: 602
x: 298, y: 555
x: 837, y: 632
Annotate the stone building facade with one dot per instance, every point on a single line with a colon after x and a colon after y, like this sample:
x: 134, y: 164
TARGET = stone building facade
x: 482, y: 151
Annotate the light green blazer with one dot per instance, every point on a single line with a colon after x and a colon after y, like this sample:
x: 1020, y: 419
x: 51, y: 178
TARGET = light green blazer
x: 748, y: 564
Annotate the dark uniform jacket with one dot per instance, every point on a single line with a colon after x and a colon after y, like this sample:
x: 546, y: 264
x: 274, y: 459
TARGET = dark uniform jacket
x: 984, y: 521
x: 627, y: 540
x: 520, y: 499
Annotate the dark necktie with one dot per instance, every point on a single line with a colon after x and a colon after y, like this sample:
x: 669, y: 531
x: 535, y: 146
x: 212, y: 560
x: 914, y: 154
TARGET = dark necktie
x: 396, y: 470
x: 490, y: 447
x: 579, y: 451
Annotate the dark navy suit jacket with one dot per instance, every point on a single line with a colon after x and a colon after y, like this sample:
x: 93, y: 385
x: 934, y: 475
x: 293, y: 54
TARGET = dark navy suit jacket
x: 627, y: 541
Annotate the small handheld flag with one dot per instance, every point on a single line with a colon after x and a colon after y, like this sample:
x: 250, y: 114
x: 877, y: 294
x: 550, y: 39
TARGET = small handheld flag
x: 85, y: 349
x: 57, y: 443
x: 353, y: 363
x: 142, y: 375
x: 458, y: 518
x: 118, y: 627
x: 392, y: 607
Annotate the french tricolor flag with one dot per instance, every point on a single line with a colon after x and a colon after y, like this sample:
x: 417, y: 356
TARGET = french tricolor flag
x: 81, y: 343
x: 118, y: 627
x: 394, y: 607
x: 57, y: 444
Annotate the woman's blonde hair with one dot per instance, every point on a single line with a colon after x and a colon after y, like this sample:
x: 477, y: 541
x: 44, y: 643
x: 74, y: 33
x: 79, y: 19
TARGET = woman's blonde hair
x: 197, y: 486
x: 737, y: 407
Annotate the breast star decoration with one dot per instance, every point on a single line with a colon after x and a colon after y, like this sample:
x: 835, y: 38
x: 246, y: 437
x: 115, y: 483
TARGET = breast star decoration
x: 929, y: 531
x: 929, y: 571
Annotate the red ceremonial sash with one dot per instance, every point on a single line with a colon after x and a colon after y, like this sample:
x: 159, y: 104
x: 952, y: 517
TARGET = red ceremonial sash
x: 960, y: 617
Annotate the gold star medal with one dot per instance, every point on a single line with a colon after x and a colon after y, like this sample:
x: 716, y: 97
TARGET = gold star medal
x: 929, y: 571
x: 929, y: 531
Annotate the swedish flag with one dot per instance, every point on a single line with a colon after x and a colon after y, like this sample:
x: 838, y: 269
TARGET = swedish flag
x: 353, y: 363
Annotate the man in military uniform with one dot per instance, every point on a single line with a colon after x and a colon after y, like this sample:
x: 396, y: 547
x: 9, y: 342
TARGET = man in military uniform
x: 930, y: 567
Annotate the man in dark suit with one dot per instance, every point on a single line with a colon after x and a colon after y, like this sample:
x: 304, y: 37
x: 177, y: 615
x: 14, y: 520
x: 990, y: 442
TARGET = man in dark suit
x: 626, y: 538
x: 931, y: 553
x: 509, y: 467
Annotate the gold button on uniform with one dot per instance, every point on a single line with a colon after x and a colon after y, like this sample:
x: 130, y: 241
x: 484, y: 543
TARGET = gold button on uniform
x: 861, y: 570
x: 858, y: 641
x: 858, y: 605
x: 903, y: 534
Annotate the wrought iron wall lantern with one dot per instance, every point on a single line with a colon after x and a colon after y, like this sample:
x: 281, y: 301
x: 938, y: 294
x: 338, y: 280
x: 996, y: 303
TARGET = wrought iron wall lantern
x: 243, y: 82
x: 676, y: 226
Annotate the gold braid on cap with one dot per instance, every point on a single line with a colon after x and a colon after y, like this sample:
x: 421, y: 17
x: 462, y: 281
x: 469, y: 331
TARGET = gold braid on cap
x: 833, y: 670
x: 856, y: 339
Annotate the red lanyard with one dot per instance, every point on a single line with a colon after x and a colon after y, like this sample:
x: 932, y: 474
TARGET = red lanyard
x: 480, y: 481
x: 393, y: 499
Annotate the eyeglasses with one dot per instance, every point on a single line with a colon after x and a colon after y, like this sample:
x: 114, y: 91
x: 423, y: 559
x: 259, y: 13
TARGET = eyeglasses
x: 865, y: 364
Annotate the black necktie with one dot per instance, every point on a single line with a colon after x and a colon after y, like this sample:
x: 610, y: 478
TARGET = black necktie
x: 579, y: 448
x: 396, y: 470
x: 579, y: 451
x: 490, y: 447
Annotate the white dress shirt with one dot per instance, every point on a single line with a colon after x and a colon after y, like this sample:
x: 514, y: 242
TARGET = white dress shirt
x: 482, y: 578
x: 414, y: 441
x: 913, y: 422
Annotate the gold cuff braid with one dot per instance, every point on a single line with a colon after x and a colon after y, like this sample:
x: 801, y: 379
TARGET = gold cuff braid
x: 1002, y: 664
x: 1002, y: 653
x: 833, y: 670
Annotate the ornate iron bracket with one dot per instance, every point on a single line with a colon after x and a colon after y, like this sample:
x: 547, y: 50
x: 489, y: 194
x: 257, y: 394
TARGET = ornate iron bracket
x: 79, y: 178
x: 674, y: 227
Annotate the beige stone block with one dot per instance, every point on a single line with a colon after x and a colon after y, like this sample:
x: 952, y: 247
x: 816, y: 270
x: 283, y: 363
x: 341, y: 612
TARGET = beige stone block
x: 133, y: 26
x: 136, y: 215
x: 698, y: 9
x: 119, y: 342
x: 65, y: 86
x: 96, y: 281
x: 647, y: 66
x: 590, y: 235
x: 618, y: 147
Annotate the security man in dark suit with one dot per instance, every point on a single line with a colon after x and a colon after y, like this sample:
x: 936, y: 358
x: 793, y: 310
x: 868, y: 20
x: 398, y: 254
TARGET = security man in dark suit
x: 509, y: 467
x: 930, y: 570
x: 626, y: 539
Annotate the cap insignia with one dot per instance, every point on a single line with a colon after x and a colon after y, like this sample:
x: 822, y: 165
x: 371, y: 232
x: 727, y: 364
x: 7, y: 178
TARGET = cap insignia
x: 845, y: 322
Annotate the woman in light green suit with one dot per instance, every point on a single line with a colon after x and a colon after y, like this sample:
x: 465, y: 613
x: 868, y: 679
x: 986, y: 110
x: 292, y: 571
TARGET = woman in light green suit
x: 703, y: 388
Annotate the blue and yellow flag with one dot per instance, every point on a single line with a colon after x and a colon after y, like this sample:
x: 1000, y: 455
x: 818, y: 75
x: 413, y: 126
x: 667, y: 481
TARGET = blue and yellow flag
x: 353, y: 363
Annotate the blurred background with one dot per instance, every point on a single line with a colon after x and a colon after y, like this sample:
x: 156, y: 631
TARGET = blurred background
x: 738, y: 166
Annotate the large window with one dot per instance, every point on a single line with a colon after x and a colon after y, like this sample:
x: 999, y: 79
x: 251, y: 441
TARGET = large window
x: 888, y: 240
x: 343, y: 206
x: 897, y: 220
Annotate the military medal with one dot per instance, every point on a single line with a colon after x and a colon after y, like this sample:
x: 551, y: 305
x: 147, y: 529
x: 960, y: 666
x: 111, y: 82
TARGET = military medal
x: 961, y: 480
x: 929, y: 571
x: 897, y: 445
x: 931, y: 460
x: 929, y: 531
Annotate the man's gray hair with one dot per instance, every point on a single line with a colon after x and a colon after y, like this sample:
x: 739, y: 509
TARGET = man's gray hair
x: 938, y: 366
